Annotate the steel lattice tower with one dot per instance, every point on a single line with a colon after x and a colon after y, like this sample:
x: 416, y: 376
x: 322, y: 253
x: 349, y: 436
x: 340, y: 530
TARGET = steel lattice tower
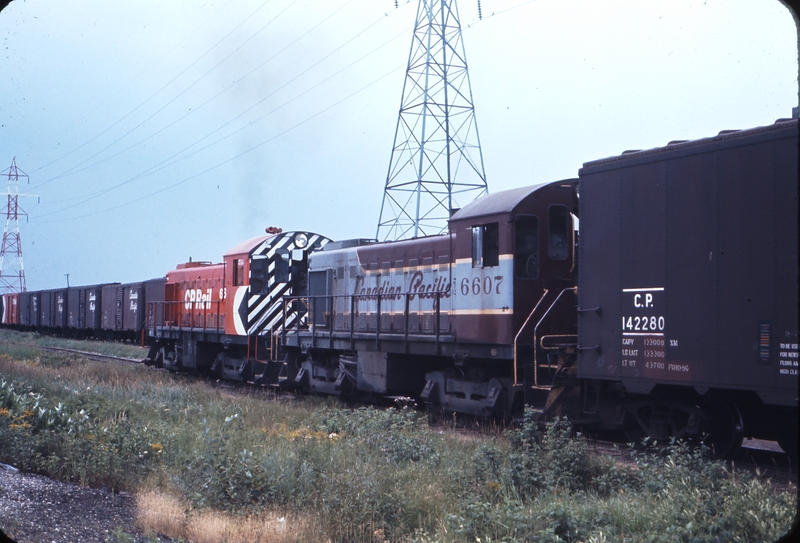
x: 12, y: 273
x: 436, y: 164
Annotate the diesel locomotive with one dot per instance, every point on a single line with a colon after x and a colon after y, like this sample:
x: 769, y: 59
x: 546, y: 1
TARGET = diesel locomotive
x: 655, y: 294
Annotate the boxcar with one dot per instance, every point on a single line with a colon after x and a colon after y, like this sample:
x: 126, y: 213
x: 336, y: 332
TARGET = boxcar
x: 688, y: 284
x: 53, y: 309
x: 9, y: 308
x: 29, y: 309
x: 123, y: 307
x: 83, y: 309
x: 111, y: 308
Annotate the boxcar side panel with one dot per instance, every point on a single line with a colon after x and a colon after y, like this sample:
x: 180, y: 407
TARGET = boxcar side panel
x: 705, y: 290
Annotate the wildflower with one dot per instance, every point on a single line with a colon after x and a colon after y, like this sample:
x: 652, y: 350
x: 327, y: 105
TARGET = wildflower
x: 23, y: 426
x: 157, y: 447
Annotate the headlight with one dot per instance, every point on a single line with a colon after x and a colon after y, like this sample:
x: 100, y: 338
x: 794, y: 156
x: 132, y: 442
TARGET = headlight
x: 301, y: 240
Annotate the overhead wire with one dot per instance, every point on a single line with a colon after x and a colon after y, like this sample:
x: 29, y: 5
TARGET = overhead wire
x: 197, y: 108
x: 162, y: 87
x: 161, y: 165
x: 183, y: 91
x: 251, y: 149
x: 125, y: 85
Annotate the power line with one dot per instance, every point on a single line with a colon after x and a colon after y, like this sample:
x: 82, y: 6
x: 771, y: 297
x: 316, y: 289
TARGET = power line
x: 161, y: 165
x: 197, y: 108
x: 158, y: 91
x: 251, y: 149
x: 137, y: 77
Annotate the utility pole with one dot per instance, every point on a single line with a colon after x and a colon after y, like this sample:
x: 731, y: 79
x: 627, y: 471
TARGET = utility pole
x: 436, y: 164
x: 12, y: 272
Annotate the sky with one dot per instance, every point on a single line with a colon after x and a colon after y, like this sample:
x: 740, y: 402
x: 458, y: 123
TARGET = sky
x: 156, y: 131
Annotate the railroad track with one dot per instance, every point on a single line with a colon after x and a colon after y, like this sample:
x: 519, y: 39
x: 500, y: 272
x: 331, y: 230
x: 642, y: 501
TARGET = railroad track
x: 86, y: 354
x: 764, y: 458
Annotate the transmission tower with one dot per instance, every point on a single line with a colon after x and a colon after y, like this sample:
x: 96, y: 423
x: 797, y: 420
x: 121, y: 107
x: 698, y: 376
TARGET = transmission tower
x: 12, y: 274
x: 436, y: 164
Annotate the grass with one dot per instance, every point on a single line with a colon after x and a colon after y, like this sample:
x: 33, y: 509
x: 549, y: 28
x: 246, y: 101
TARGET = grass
x: 122, y: 349
x: 208, y: 465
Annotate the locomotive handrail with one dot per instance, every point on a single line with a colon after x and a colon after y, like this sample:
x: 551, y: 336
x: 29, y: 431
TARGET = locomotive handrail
x: 536, y: 331
x: 376, y: 331
x: 556, y: 345
x: 171, y: 315
x: 516, y: 337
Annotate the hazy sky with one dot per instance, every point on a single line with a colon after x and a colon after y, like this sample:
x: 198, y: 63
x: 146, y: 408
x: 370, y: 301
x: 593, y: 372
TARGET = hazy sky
x: 154, y: 131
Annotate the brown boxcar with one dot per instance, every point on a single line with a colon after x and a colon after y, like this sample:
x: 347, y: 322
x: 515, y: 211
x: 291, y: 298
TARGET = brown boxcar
x: 689, y: 286
x: 111, y: 308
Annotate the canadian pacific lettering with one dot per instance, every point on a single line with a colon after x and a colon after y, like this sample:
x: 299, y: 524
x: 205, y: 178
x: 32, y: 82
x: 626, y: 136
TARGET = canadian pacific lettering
x: 417, y: 288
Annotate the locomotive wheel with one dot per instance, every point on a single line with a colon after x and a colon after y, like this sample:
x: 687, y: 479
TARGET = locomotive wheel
x: 723, y: 426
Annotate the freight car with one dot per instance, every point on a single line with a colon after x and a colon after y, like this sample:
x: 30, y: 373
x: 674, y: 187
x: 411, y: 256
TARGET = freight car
x: 105, y: 311
x: 692, y: 324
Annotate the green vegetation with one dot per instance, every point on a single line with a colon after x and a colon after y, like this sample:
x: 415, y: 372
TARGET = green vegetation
x: 17, y: 348
x: 364, y: 474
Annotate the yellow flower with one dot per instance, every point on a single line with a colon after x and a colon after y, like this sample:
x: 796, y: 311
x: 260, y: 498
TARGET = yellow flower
x: 22, y: 426
x: 158, y: 447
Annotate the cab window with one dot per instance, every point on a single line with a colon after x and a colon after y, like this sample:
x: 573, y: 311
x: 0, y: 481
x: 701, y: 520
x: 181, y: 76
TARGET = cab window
x: 486, y: 245
x: 558, y: 232
x: 526, y: 247
x: 238, y: 273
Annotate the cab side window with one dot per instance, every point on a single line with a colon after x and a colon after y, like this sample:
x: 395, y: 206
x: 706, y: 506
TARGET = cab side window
x: 558, y: 232
x: 486, y: 245
x: 238, y: 273
x: 526, y: 247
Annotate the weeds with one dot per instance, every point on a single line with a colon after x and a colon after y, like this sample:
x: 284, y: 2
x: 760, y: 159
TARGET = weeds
x: 209, y: 466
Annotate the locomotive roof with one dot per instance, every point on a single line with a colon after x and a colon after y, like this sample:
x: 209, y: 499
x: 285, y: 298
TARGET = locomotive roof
x: 500, y: 202
x: 726, y: 138
x: 249, y: 245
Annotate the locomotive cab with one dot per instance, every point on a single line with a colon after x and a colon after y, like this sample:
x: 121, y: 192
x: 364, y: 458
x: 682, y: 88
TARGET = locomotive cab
x: 515, y: 300
x: 223, y: 318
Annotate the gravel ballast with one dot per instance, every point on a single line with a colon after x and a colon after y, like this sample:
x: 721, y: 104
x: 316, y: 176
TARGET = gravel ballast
x: 36, y: 509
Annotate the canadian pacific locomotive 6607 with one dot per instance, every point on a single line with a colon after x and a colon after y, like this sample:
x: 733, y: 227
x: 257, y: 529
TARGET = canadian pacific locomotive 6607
x: 674, y: 313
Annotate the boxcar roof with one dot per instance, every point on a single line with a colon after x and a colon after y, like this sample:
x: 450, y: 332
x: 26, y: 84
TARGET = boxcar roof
x: 500, y: 202
x: 726, y: 138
